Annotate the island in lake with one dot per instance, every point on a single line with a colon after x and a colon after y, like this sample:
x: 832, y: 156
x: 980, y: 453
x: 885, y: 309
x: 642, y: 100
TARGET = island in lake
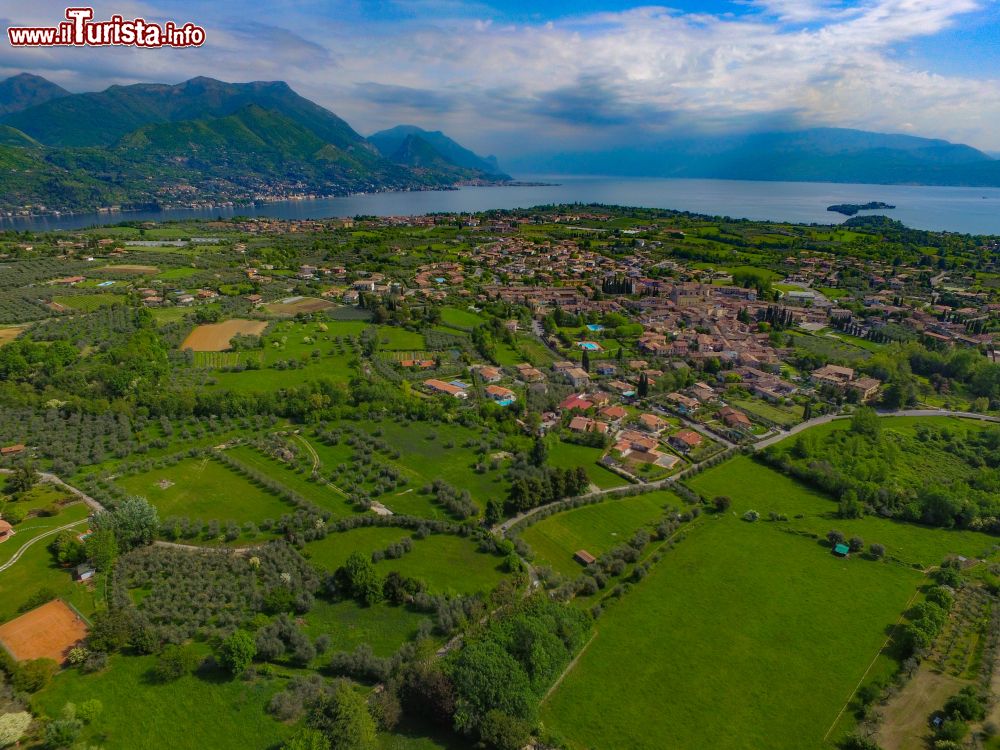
x: 849, y: 209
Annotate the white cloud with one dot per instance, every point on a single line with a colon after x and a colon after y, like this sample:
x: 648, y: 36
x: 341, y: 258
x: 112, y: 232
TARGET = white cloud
x: 610, y: 76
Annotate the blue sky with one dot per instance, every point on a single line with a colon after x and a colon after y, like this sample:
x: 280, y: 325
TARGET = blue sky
x: 515, y: 76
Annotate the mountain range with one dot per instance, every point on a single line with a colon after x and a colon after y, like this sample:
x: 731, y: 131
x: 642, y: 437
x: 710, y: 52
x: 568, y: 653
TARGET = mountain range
x: 201, y: 141
x: 813, y: 155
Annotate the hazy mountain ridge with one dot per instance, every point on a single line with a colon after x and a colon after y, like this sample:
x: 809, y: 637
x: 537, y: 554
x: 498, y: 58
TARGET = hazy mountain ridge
x: 390, y: 142
x: 26, y: 90
x: 816, y: 155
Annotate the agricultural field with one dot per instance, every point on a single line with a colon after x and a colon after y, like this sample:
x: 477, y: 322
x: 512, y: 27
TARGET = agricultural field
x: 459, y: 318
x: 594, y: 528
x: 126, y: 269
x: 296, y: 305
x: 215, y: 337
x: 9, y: 333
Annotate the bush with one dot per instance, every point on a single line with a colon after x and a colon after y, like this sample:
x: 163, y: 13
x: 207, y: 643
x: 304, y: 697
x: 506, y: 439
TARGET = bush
x: 32, y: 676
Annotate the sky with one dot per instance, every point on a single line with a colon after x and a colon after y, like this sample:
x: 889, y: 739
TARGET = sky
x: 521, y: 77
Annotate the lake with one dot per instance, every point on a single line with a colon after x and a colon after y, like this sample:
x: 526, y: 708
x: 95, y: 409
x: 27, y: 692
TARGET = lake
x: 955, y: 209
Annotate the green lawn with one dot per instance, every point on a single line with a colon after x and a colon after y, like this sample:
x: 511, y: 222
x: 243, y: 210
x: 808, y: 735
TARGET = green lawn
x: 569, y: 455
x: 211, y: 711
x: 595, y: 528
x: 205, y: 489
x: 399, y: 339
x: 739, y: 639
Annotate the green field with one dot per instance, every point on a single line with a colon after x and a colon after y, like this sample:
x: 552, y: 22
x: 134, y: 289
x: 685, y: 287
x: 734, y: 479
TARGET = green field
x: 453, y: 316
x: 315, y: 492
x: 384, y: 627
x: 782, y: 415
x: 569, y: 455
x: 741, y: 638
x: 426, y: 455
x: 196, y: 711
x: 595, y: 528
x: 89, y: 302
x: 205, y: 489
x: 445, y: 563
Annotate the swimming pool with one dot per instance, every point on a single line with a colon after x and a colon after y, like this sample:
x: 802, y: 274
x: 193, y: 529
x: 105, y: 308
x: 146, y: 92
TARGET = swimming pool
x: 595, y: 327
x: 590, y: 346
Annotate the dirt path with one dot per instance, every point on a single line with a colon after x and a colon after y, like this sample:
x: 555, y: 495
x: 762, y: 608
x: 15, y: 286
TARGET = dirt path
x: 871, y: 664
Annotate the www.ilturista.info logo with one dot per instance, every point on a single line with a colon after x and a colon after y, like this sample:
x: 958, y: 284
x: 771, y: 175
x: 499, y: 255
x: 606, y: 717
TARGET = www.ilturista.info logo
x: 79, y: 30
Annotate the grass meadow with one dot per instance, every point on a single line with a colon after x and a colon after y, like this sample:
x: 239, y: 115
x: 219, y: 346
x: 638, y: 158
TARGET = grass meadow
x: 209, y: 710
x: 595, y: 528
x: 742, y: 637
x: 203, y: 488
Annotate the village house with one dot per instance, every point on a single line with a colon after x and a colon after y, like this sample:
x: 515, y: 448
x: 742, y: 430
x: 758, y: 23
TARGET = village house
x: 734, y: 419
x: 652, y: 423
x: 489, y: 374
x: 684, y: 404
x: 577, y: 377
x: 576, y: 401
x: 685, y: 440
x: 500, y: 395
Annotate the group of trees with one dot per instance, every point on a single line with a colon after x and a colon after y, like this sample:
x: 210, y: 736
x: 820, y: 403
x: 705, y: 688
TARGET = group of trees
x: 868, y: 469
x: 534, y: 486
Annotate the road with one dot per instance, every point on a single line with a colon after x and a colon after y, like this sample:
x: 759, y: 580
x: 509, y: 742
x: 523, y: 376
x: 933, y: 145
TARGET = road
x: 24, y: 547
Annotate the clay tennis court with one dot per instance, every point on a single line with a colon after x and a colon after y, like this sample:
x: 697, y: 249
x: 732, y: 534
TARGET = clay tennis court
x: 47, y: 632
x: 296, y: 305
x: 215, y: 337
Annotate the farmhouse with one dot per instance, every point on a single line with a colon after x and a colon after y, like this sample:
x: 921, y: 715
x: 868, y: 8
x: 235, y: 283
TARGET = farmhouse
x: 439, y: 386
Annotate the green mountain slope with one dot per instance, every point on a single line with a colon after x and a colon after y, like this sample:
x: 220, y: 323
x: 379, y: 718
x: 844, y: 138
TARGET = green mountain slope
x: 199, y: 141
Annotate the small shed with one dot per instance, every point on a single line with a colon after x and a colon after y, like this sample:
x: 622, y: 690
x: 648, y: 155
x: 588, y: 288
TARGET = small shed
x: 85, y: 571
x: 583, y: 557
x: 841, y: 550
